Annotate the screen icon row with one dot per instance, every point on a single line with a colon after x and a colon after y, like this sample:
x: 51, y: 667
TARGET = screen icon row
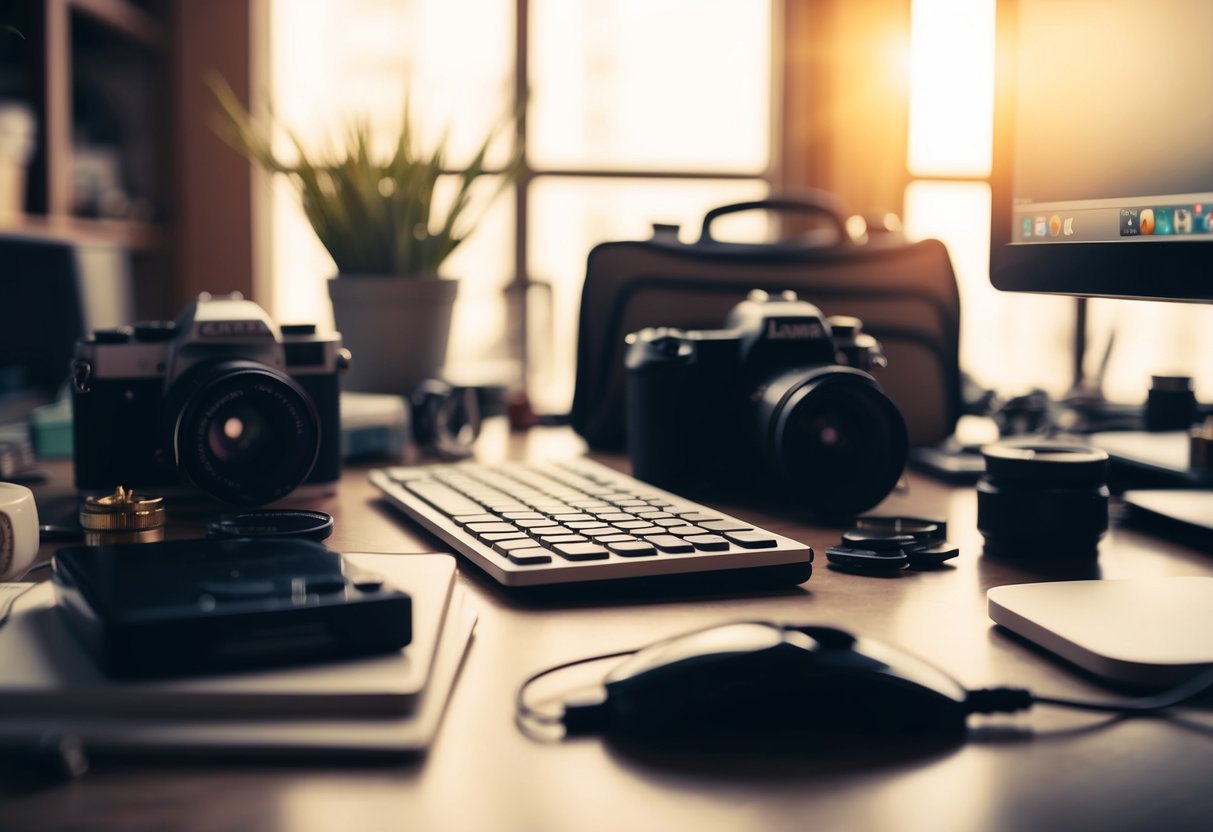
x: 1054, y: 226
x: 1165, y: 221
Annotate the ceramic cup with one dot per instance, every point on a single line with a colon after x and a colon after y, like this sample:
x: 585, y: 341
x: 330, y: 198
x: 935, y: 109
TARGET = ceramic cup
x: 18, y: 530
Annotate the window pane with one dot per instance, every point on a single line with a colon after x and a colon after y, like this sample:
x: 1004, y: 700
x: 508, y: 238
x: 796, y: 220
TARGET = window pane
x: 641, y: 84
x: 570, y: 216
x: 1008, y: 342
x: 951, y: 87
x: 1150, y: 339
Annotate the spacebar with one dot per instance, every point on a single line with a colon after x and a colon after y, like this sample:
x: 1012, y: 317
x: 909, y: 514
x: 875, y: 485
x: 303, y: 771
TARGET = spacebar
x: 445, y: 498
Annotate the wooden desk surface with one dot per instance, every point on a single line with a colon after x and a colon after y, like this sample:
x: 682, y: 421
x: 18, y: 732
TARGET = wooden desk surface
x: 1042, y: 770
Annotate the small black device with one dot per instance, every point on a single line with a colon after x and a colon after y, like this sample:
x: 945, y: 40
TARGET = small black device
x: 1043, y: 499
x: 759, y: 683
x: 222, y: 400
x: 193, y: 606
x: 882, y: 544
x: 781, y: 399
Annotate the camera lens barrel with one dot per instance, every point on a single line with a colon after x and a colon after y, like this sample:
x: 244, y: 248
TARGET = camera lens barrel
x: 1042, y: 499
x: 242, y: 432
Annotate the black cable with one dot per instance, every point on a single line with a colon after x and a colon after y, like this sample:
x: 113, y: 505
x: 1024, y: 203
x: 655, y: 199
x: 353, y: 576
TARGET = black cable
x: 524, y: 714
x: 1190, y: 689
x: 1005, y: 700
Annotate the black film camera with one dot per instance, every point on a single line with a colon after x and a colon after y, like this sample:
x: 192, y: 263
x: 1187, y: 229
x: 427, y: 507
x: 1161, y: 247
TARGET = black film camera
x: 222, y: 400
x: 780, y: 401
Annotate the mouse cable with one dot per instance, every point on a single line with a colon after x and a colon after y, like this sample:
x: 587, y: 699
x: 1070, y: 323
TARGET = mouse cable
x: 1004, y: 700
x: 527, y: 716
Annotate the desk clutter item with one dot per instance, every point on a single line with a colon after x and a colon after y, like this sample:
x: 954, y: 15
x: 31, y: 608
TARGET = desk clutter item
x: 576, y: 520
x: 18, y: 530
x: 1139, y: 631
x: 385, y: 705
x: 197, y: 606
x: 879, y: 544
x: 122, y: 517
x: 1043, y: 499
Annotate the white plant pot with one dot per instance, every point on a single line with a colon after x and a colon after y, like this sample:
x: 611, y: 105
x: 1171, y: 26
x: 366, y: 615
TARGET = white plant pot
x: 396, y: 329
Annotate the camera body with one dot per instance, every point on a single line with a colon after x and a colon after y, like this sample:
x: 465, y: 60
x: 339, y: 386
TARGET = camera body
x: 222, y: 401
x: 779, y: 401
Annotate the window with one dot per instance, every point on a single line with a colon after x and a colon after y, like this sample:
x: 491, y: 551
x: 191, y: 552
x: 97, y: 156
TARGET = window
x: 638, y: 111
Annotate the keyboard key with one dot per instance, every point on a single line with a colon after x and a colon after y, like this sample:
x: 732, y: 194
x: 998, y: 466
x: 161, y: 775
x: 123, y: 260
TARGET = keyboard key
x: 631, y: 503
x: 485, y: 528
x: 616, y: 538
x: 513, y: 544
x: 751, y: 539
x: 598, y: 534
x: 698, y: 517
x: 464, y: 519
x: 631, y: 524
x: 654, y: 515
x: 537, y: 523
x: 647, y: 530
x: 557, y: 539
x: 493, y: 537
x: 670, y: 544
x: 668, y: 522
x: 685, y: 530
x: 443, y: 497
x: 571, y: 518
x: 725, y: 526
x: 529, y: 557
x: 632, y: 548
x: 522, y: 515
x: 617, y: 517
x: 540, y: 531
x: 579, y: 525
x: 581, y: 551
x: 708, y: 542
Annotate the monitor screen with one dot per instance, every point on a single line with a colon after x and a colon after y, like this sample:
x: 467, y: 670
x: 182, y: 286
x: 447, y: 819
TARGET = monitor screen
x: 1103, y: 180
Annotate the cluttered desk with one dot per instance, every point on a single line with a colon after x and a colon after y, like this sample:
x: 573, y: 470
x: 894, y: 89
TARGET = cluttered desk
x: 730, y: 593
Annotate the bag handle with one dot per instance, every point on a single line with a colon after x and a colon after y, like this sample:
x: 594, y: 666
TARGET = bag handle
x: 819, y: 203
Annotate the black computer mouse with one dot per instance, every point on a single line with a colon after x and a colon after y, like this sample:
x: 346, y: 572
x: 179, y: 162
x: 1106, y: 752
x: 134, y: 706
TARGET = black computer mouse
x: 761, y: 684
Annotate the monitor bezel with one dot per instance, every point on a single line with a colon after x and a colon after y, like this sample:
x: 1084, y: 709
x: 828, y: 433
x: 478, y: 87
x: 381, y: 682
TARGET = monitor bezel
x: 1135, y: 270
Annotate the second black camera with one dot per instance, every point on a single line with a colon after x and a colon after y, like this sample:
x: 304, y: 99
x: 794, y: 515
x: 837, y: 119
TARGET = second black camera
x: 780, y: 402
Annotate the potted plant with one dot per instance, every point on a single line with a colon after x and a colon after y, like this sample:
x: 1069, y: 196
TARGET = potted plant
x: 389, y: 237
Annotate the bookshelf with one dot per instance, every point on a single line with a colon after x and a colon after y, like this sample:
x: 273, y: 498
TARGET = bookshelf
x: 124, y: 154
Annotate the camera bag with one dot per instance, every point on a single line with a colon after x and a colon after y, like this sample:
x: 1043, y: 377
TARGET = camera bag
x: 905, y: 294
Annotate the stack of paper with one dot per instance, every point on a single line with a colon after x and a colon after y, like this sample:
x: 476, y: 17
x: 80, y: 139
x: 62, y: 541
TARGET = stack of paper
x: 380, y: 705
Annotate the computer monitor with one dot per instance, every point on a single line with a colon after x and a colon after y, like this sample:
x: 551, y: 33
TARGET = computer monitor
x: 1103, y: 151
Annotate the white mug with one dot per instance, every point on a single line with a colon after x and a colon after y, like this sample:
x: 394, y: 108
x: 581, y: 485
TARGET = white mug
x: 18, y: 530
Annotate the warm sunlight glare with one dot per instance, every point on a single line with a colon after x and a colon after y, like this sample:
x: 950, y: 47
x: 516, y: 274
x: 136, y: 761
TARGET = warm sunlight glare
x: 951, y: 87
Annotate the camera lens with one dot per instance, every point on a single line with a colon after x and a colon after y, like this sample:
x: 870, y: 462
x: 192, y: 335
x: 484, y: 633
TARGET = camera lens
x: 837, y: 443
x: 1042, y: 499
x: 243, y: 432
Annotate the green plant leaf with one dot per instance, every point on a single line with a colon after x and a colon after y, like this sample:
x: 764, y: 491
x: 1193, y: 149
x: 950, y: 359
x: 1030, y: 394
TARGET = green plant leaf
x: 374, y: 215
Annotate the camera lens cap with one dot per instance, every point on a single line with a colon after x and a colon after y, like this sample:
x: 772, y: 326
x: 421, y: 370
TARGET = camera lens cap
x: 923, y: 529
x: 312, y: 525
x: 1045, y: 461
x: 866, y: 561
x: 876, y: 541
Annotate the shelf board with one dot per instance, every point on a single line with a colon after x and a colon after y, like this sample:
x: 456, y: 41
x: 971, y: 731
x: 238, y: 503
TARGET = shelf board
x: 124, y: 17
x: 136, y: 236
